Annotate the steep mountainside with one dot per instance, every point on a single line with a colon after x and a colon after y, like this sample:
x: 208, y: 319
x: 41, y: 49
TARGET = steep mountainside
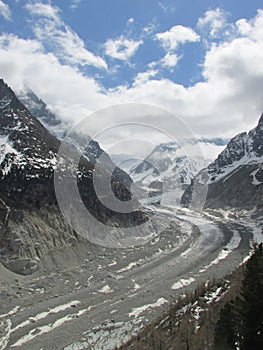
x: 235, y: 178
x: 30, y: 223
x: 38, y: 107
x: 90, y: 148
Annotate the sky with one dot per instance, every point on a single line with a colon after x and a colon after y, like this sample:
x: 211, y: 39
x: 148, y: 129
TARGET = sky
x: 197, y: 59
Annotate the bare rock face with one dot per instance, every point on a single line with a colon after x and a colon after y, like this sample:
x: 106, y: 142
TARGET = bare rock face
x: 31, y: 224
x: 235, y: 178
x: 30, y: 235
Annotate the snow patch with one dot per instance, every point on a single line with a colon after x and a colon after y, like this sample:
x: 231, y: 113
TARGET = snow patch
x: 183, y: 283
x: 6, y: 148
x: 5, y: 330
x: 108, y: 336
x: 105, y: 289
x: 129, y: 267
x: 255, y: 180
x: 10, y: 313
x: 36, y: 332
x: 44, y: 314
x: 138, y: 311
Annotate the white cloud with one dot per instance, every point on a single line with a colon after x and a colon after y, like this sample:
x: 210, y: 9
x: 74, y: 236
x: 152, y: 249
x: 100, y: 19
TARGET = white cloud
x: 175, y: 36
x: 131, y: 20
x: 150, y: 28
x: 4, y: 10
x: 170, y: 60
x: 45, y: 10
x: 73, y: 96
x: 59, y: 38
x: 143, y: 77
x: 121, y: 48
x: 75, y: 4
x: 229, y: 100
x: 213, y: 22
x: 252, y: 29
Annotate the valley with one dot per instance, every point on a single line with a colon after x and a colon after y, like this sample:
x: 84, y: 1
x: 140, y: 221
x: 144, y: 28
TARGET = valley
x: 110, y: 296
x: 67, y: 283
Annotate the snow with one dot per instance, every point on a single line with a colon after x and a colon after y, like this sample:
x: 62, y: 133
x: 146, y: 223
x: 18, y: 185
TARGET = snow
x: 248, y: 159
x: 182, y: 283
x: 105, y: 289
x: 10, y: 313
x: 5, y: 330
x: 4, y: 102
x: 214, y: 296
x: 36, y: 332
x: 256, y: 228
x: 5, y: 149
x: 136, y: 286
x: 129, y: 267
x: 255, y: 180
x: 108, y: 335
x: 232, y: 245
x: 138, y: 311
x: 173, y: 165
x: 44, y: 314
x: 235, y: 241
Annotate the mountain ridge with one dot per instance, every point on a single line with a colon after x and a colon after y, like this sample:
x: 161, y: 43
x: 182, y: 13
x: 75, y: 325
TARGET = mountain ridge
x: 32, y: 225
x: 235, y: 178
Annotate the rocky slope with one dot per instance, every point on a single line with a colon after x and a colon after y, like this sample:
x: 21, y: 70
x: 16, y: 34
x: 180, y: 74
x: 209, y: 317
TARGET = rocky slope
x: 235, y: 178
x: 31, y: 224
x: 90, y: 148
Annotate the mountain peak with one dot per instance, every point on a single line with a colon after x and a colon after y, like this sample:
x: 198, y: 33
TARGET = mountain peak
x: 38, y: 108
x: 6, y: 94
x: 260, y: 122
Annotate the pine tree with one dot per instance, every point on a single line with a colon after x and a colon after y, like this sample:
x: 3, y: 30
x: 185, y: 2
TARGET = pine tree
x: 240, y: 325
x: 252, y: 303
x: 226, y: 329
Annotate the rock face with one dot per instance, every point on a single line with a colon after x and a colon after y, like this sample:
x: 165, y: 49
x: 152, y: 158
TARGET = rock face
x: 235, y: 178
x: 31, y: 224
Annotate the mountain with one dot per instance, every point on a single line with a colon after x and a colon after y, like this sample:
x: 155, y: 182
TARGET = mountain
x: 235, y: 178
x: 173, y: 166
x: 125, y: 162
x: 31, y: 224
x: 90, y: 148
x: 38, y: 108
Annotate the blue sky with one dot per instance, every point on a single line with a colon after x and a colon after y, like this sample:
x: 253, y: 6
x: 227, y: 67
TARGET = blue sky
x: 199, y: 59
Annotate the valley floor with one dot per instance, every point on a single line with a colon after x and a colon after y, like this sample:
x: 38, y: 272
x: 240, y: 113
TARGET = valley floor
x: 114, y: 293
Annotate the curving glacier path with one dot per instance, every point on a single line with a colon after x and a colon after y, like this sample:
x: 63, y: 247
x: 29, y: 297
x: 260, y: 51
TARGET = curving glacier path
x: 104, y: 301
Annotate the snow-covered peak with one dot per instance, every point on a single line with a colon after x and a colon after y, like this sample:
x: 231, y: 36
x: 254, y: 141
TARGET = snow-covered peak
x: 24, y: 142
x: 244, y: 148
x: 172, y: 166
x: 38, y: 107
